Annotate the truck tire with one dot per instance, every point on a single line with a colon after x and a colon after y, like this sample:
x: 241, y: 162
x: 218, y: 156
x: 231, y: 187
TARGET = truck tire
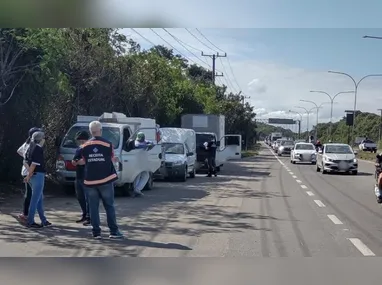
x: 185, y: 175
x: 193, y: 173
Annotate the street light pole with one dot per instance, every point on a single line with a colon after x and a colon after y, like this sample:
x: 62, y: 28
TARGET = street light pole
x: 356, y: 84
x: 308, y: 112
x: 331, y: 107
x: 317, y: 107
x: 300, y: 122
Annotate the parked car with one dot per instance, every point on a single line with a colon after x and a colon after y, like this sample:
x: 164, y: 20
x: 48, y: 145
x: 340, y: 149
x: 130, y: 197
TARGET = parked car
x: 368, y: 145
x: 337, y: 158
x: 285, y: 147
x: 303, y: 152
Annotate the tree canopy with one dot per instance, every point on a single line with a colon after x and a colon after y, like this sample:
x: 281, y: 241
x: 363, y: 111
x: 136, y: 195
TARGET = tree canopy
x: 49, y: 76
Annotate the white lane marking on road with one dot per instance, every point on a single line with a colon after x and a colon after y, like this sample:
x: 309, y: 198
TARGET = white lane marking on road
x: 310, y: 193
x: 319, y: 203
x: 291, y: 173
x: 303, y: 187
x: 361, y: 247
x: 335, y: 220
x: 299, y: 181
x: 294, y: 176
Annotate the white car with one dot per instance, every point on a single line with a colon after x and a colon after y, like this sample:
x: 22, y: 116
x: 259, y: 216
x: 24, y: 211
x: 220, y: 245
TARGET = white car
x: 285, y: 147
x: 337, y: 158
x: 368, y: 145
x: 303, y: 152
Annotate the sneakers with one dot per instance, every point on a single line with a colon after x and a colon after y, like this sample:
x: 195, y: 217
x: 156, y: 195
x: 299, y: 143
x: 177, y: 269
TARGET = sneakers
x: 97, y: 236
x: 83, y: 219
x: 34, y: 226
x: 379, y: 200
x: 22, y: 217
x: 86, y: 222
x: 117, y: 235
x: 46, y: 224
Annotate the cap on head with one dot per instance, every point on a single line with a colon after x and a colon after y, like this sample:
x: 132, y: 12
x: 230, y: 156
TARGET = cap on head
x: 140, y: 136
x: 33, y: 130
x: 38, y: 136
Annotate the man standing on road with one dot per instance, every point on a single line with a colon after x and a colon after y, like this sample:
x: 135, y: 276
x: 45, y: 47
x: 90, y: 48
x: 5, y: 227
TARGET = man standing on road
x: 82, y: 196
x: 211, y: 147
x: 98, y: 156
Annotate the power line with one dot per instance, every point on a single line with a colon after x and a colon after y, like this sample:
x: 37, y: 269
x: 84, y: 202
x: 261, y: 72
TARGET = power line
x: 139, y: 34
x: 172, y: 46
x: 209, y: 40
x: 181, y: 43
x: 233, y: 74
x: 228, y: 79
x: 199, y: 40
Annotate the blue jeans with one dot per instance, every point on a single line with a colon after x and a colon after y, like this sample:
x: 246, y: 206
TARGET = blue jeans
x: 36, y: 204
x: 82, y: 197
x: 106, y: 194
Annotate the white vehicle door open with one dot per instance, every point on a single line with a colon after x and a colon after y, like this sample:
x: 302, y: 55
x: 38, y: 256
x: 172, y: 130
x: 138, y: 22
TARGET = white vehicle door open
x: 232, y: 147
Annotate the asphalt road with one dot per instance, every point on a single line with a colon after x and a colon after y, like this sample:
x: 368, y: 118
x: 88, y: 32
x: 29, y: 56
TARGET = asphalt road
x: 258, y: 207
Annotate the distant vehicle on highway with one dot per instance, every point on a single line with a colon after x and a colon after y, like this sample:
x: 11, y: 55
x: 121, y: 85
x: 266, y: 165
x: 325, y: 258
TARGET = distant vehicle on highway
x: 335, y: 157
x: 285, y: 147
x: 303, y: 152
x: 368, y: 145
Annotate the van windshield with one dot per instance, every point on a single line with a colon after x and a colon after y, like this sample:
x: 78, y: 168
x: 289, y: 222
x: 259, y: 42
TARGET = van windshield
x: 109, y: 133
x: 173, y: 148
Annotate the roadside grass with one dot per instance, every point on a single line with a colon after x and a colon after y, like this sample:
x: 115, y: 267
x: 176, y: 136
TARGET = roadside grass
x: 251, y: 152
x: 365, y: 155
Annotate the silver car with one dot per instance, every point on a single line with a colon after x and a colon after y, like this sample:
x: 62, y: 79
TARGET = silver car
x: 303, y: 152
x: 337, y: 158
x: 285, y: 147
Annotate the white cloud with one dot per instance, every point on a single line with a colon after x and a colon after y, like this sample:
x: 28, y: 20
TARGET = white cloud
x: 274, y: 88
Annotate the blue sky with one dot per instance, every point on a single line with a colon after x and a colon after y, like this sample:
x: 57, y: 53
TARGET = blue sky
x: 285, y: 50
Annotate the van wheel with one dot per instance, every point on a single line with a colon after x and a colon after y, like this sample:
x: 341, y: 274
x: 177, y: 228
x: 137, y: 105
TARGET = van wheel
x: 185, y: 174
x: 193, y: 173
x: 149, y: 185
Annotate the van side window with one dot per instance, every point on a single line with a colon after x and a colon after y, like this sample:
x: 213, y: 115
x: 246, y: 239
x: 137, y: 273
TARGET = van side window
x: 126, y: 136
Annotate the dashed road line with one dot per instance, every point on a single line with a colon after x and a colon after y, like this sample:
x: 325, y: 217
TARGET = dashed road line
x: 294, y: 176
x: 319, y: 203
x: 361, y: 247
x: 335, y: 220
x: 310, y: 193
x: 291, y: 173
x: 303, y: 187
x: 299, y: 181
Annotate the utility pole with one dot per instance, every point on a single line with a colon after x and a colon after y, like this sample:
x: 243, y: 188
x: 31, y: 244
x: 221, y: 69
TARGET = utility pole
x: 380, y: 127
x: 214, y: 57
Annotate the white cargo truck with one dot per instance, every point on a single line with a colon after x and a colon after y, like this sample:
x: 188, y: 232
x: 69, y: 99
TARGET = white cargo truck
x: 206, y: 128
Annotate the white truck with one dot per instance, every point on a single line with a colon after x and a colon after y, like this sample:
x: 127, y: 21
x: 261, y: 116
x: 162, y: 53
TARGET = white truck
x: 206, y: 128
x: 368, y: 145
x: 275, y: 137
x: 179, y: 154
x: 135, y: 167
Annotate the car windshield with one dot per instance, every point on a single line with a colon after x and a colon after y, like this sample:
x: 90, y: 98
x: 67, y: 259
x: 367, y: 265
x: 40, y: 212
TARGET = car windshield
x: 304, y: 147
x: 338, y: 149
x: 111, y: 134
x: 173, y: 148
x: 287, y: 143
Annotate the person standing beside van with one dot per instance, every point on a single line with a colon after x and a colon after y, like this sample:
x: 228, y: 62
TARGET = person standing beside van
x: 82, y: 197
x: 22, y: 151
x: 211, y: 148
x: 100, y: 174
x: 36, y: 176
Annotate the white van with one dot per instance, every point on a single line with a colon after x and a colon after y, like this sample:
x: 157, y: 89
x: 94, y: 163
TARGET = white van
x: 179, y: 146
x: 135, y: 168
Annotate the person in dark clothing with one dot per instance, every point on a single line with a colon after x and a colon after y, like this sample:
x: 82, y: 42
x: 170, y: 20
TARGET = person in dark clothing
x: 22, y: 151
x: 318, y: 145
x: 82, y: 197
x: 97, y: 154
x: 211, y: 148
x: 36, y: 176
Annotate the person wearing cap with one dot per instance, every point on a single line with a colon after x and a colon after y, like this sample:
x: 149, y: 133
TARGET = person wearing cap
x: 22, y: 151
x: 98, y: 156
x: 36, y: 177
x: 82, y: 197
x: 141, y: 141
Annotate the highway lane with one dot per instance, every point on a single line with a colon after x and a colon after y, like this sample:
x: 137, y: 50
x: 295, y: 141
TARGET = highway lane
x: 349, y: 200
x: 255, y: 208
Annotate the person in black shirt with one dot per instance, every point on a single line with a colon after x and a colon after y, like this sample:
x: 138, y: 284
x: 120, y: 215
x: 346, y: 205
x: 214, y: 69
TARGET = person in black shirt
x: 211, y: 147
x: 82, y: 197
x: 36, y: 176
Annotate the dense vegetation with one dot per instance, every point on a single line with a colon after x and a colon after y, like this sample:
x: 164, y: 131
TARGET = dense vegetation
x: 48, y: 76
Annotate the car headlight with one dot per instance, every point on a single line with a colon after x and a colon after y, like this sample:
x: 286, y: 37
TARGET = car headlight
x: 355, y: 160
x: 328, y: 159
x: 179, y: 162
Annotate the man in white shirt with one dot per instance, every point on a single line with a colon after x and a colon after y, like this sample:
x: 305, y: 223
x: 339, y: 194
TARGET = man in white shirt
x: 24, y: 172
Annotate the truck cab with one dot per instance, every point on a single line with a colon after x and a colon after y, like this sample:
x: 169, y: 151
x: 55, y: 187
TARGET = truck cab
x: 135, y: 167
